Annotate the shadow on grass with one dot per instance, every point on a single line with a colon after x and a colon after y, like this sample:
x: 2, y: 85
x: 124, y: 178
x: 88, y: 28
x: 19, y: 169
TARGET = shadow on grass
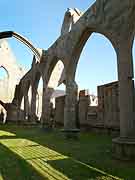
x: 88, y: 158
x: 13, y: 167
x: 77, y: 170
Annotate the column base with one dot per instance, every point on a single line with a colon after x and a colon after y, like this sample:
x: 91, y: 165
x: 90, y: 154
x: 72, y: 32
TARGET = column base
x: 71, y: 133
x: 124, y: 148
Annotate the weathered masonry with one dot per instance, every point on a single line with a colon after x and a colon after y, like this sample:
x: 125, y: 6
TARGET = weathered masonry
x: 114, y: 20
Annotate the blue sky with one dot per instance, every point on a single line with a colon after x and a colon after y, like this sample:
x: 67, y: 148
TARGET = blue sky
x: 40, y: 21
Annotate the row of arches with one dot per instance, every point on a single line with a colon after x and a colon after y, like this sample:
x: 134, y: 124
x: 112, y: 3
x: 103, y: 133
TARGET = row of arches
x: 31, y: 102
x: 110, y: 60
x: 33, y: 93
x: 103, y: 68
x: 97, y: 44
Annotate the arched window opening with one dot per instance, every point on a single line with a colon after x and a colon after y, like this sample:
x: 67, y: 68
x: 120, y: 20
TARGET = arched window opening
x: 96, y: 76
x: 61, y: 87
x: 22, y: 104
x: 39, y: 97
x: 30, y: 96
x: 97, y: 65
x: 56, y: 78
x: 3, y: 114
x: 59, y: 91
x: 133, y: 54
x: 3, y: 73
x: 4, y: 86
x: 56, y: 74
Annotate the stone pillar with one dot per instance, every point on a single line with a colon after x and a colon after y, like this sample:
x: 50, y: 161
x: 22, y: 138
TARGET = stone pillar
x: 45, y: 118
x: 33, y: 103
x: 115, y: 107
x: 70, y: 108
x: 124, y: 146
x: 126, y: 91
x: 17, y: 101
x: 26, y: 107
x: 12, y: 116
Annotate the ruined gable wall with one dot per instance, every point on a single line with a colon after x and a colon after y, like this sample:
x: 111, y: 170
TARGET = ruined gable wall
x: 14, y: 72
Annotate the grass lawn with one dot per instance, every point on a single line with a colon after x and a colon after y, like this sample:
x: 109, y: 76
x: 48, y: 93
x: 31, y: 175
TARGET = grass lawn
x: 32, y: 154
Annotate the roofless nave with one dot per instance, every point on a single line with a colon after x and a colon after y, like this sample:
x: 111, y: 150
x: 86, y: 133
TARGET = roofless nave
x: 114, y: 20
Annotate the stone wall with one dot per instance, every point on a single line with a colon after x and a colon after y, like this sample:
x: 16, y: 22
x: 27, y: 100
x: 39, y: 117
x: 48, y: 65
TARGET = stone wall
x: 92, y: 119
x: 83, y: 103
x: 59, y: 110
x: 108, y: 107
x: 14, y: 72
x: 105, y: 115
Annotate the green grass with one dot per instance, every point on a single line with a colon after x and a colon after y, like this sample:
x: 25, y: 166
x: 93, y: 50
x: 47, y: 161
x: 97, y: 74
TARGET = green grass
x: 33, y: 154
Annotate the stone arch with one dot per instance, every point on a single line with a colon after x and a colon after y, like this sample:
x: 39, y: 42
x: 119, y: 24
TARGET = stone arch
x: 13, y: 80
x: 86, y: 34
x: 4, y: 85
x: 71, y: 86
x: 9, y: 34
x: 53, y: 79
x: 55, y: 72
x: 4, y: 90
x: 36, y: 96
x: 93, y: 49
x: 5, y: 71
x: 54, y: 62
x: 39, y: 99
x: 24, y: 100
x: 122, y: 46
x: 106, y: 73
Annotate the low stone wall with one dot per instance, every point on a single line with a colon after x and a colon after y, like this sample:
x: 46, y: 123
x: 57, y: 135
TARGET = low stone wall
x: 59, y: 110
x: 103, y: 117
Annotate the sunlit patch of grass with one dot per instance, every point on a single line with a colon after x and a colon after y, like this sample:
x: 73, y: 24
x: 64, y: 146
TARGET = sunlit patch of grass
x: 36, y: 155
x: 1, y: 178
x: 6, y: 133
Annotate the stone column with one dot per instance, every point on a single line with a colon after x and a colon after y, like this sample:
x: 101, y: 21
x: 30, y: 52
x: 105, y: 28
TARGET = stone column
x: 33, y: 103
x: 26, y: 107
x: 115, y: 107
x: 70, y: 108
x: 45, y: 118
x: 126, y: 90
x: 124, y: 146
